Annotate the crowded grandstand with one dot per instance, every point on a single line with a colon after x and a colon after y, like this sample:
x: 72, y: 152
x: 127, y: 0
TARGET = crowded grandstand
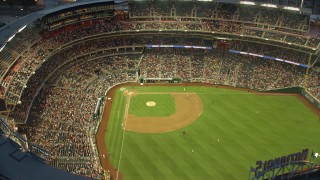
x: 55, y: 68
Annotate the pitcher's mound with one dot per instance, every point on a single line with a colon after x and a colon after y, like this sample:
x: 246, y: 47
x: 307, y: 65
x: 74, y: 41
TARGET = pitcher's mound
x: 151, y: 103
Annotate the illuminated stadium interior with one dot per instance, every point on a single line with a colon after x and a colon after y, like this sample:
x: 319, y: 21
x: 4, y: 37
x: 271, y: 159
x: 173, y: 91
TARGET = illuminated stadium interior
x: 56, y: 66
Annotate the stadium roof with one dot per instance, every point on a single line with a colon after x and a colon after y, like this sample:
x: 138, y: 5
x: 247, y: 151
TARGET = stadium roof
x: 9, y: 30
x: 16, y: 164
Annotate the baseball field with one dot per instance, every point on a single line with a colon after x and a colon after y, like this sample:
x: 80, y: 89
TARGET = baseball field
x: 195, y: 132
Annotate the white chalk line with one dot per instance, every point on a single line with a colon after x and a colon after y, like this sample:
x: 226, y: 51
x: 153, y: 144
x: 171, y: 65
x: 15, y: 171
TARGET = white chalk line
x: 135, y: 93
x: 124, y: 131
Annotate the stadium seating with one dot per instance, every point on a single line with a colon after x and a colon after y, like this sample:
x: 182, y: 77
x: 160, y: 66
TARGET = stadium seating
x: 55, y: 77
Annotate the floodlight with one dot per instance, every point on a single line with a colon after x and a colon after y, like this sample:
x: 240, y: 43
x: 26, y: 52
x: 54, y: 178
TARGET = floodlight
x: 221, y: 38
x: 10, y: 38
x: 291, y: 8
x: 21, y: 29
x: 1, y: 48
x: 269, y: 5
x: 247, y: 3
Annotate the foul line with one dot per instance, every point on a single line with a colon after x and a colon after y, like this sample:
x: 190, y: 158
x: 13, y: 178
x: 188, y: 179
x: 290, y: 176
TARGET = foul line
x: 124, y: 131
x: 244, y: 93
x: 135, y: 93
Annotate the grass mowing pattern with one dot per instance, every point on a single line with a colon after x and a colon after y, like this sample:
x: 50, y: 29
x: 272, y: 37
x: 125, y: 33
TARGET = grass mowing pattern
x: 165, y: 105
x: 114, y: 131
x: 249, y: 128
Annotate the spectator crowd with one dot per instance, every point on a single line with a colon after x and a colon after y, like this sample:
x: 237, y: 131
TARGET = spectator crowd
x: 56, y: 86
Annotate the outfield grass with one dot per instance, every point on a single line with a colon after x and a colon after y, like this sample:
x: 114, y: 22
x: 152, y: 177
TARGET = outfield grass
x: 164, y: 108
x: 249, y: 128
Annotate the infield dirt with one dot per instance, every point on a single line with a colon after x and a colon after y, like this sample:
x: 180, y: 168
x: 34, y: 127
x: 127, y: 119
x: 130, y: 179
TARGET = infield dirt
x: 188, y: 109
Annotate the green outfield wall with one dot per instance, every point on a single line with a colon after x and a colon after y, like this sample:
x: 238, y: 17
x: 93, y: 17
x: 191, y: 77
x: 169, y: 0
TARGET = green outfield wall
x: 298, y: 90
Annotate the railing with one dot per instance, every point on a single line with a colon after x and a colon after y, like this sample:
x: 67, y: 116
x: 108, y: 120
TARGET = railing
x: 27, y: 146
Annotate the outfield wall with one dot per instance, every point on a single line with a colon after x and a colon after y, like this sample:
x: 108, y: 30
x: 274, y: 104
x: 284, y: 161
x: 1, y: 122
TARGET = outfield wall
x: 298, y: 90
x: 293, y: 90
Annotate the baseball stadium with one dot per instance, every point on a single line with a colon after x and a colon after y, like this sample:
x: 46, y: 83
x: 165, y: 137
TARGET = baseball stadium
x: 161, y: 89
